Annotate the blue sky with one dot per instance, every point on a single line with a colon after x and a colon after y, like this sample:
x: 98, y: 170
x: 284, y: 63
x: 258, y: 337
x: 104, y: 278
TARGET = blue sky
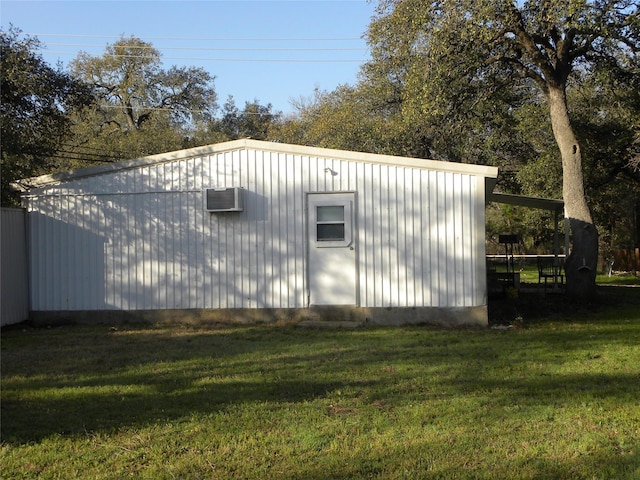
x: 272, y: 51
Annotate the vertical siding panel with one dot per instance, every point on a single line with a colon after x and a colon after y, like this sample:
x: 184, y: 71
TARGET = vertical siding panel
x: 263, y: 232
x: 170, y: 236
x: 292, y: 217
x: 269, y: 252
x: 61, y: 270
x: 393, y: 225
x: 109, y: 234
x: 301, y: 240
x: 39, y: 231
x: 436, y: 212
x: 376, y: 251
x: 362, y: 220
x: 360, y: 215
x: 132, y: 292
x: 396, y: 227
x: 255, y: 215
x: 479, y: 232
x: 449, y: 278
x: 281, y: 231
x: 67, y: 234
x: 234, y: 258
x: 55, y: 294
x: 73, y: 246
x: 243, y: 234
x: 252, y: 219
x: 199, y: 225
x: 283, y: 212
x: 112, y: 223
x: 373, y: 254
x: 380, y: 247
x: 163, y: 210
x: 464, y: 222
x: 47, y: 245
x: 208, y: 238
x: 425, y: 244
x: 458, y: 255
x: 314, y: 180
x: 468, y: 240
x: 412, y: 237
x: 34, y: 275
x: 155, y: 235
x: 271, y: 229
x: 99, y: 287
x: 82, y: 277
x: 305, y: 187
x: 89, y: 250
x: 386, y: 273
x: 34, y: 244
x: 225, y: 277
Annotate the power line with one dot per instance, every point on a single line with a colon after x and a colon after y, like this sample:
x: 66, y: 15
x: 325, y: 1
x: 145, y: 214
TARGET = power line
x: 209, y: 39
x: 215, y: 49
x: 210, y: 59
x: 187, y: 110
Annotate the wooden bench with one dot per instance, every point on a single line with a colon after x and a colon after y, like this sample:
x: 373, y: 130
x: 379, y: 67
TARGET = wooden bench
x: 550, y: 268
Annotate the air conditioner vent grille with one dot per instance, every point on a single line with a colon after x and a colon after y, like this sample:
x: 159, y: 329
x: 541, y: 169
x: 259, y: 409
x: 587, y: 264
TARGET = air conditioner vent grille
x: 223, y: 199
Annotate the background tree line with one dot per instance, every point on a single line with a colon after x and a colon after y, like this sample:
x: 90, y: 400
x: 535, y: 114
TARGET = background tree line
x: 547, y: 91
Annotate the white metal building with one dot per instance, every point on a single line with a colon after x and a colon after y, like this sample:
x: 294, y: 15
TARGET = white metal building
x: 250, y: 230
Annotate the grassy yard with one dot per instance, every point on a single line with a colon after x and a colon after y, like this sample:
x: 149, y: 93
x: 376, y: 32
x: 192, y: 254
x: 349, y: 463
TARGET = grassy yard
x: 557, y: 397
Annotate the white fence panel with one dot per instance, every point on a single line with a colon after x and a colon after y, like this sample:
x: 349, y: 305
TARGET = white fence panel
x: 14, y: 285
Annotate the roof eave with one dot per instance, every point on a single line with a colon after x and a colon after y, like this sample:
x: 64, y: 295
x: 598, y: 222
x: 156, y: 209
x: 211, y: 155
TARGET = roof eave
x: 27, y: 184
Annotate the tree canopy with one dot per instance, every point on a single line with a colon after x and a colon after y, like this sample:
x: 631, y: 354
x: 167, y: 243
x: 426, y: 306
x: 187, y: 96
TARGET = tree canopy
x: 35, y: 102
x: 129, y: 79
x: 461, y: 62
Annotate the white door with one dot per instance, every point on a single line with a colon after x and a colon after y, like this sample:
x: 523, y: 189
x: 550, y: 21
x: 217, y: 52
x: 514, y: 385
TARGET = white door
x: 332, y: 244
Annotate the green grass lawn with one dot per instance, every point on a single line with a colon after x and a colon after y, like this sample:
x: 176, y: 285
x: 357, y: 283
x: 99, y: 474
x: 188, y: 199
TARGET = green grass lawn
x: 554, y: 398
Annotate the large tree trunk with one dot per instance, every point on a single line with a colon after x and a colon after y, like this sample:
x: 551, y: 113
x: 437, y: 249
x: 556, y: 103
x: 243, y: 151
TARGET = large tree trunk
x: 581, y: 264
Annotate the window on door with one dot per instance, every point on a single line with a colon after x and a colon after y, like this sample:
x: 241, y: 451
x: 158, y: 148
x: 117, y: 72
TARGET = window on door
x: 331, y: 220
x: 330, y: 224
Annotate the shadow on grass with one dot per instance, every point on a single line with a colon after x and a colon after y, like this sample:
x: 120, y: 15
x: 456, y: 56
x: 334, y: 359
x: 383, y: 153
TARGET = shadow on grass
x: 532, y: 304
x: 78, y: 380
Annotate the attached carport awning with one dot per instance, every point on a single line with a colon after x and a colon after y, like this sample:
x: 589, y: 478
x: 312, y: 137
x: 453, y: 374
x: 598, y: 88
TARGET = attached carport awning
x: 556, y: 206
x: 529, y: 202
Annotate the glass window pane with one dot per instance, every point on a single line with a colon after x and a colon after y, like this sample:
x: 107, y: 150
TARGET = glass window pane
x: 331, y: 214
x: 330, y: 232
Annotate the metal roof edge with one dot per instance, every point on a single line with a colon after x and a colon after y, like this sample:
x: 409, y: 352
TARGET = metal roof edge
x: 61, y: 177
x: 427, y: 164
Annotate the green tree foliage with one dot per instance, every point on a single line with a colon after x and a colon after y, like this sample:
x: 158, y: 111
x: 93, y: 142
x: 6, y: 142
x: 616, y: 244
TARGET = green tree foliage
x: 462, y: 63
x: 144, y: 109
x: 254, y: 121
x: 350, y: 118
x: 35, y: 104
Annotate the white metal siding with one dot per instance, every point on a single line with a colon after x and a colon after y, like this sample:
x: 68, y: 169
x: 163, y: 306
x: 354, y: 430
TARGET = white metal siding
x: 140, y: 238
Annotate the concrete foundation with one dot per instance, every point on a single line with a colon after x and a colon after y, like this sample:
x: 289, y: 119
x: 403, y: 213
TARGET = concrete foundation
x: 314, y: 316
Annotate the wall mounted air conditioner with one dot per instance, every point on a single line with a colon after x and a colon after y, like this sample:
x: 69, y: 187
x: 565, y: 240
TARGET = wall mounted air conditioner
x: 223, y: 199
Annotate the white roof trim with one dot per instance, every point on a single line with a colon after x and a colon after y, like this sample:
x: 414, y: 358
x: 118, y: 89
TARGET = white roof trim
x: 61, y: 177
